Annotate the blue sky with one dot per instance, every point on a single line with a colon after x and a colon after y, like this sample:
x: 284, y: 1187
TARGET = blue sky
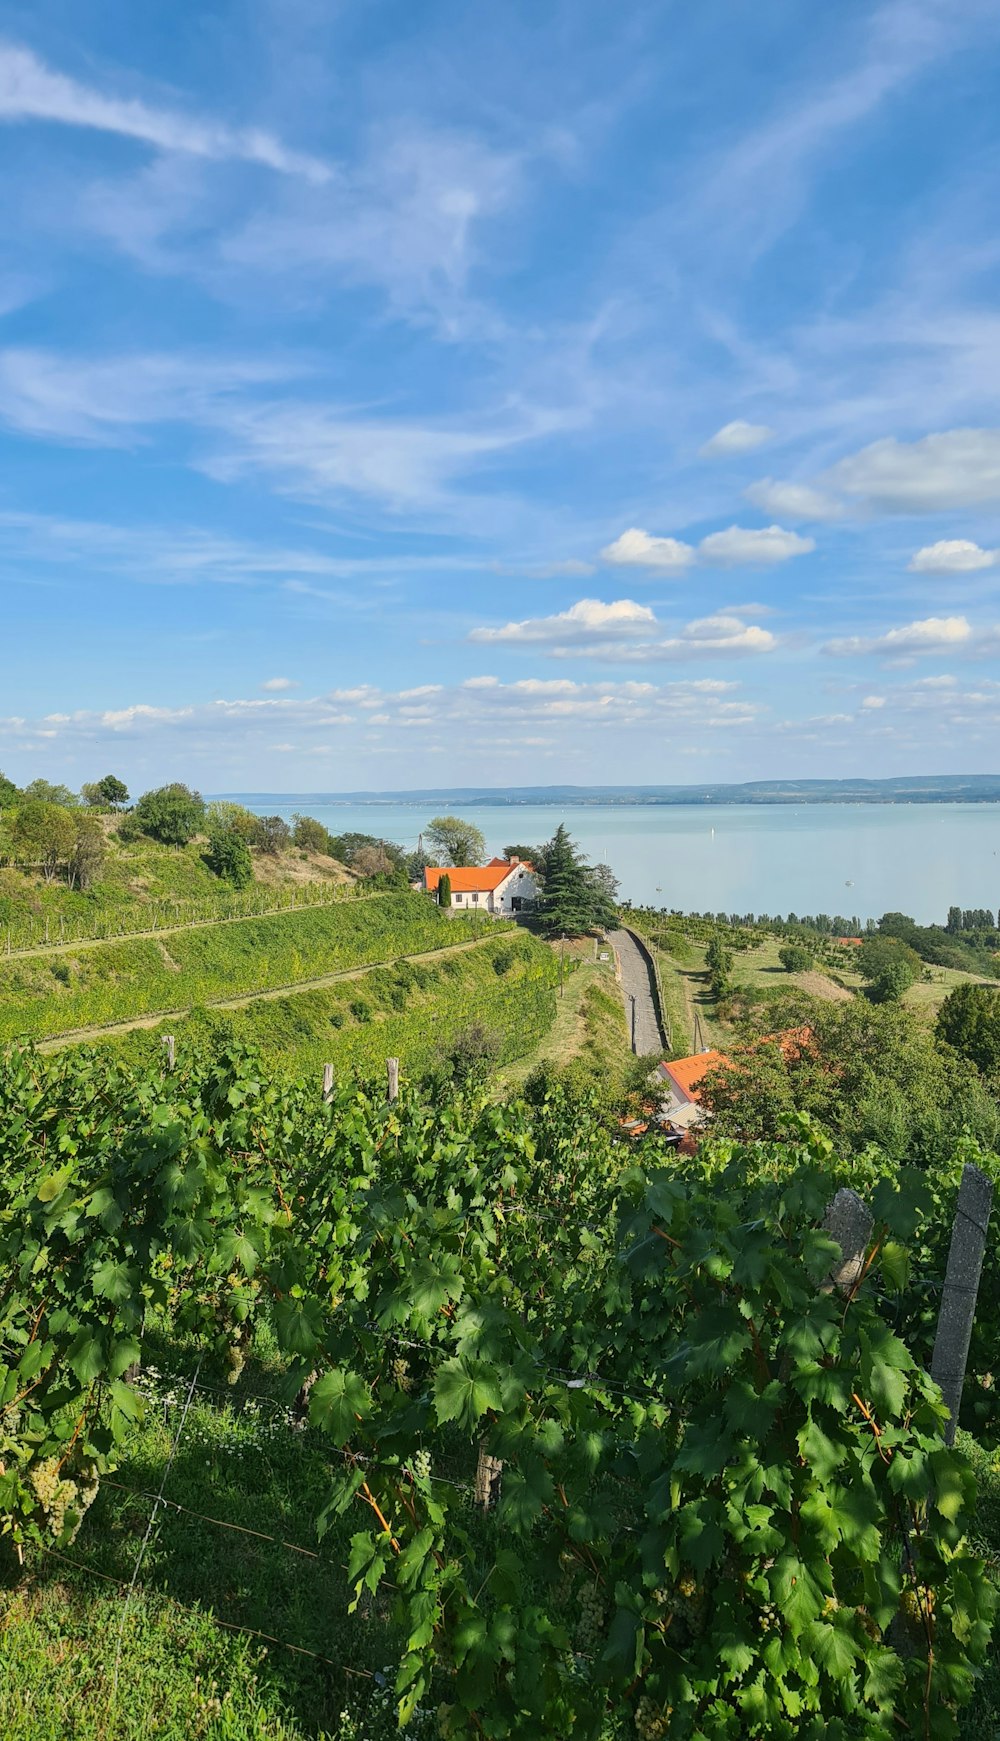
x: 399, y: 395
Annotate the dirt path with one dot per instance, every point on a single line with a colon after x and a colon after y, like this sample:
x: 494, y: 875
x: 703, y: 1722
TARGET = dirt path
x: 75, y: 1036
x: 638, y: 985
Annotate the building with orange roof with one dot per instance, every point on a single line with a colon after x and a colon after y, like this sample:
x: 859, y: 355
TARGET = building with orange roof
x: 504, y: 886
x: 684, y: 1075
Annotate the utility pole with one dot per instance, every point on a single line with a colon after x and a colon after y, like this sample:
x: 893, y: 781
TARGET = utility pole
x: 631, y: 998
x: 562, y: 965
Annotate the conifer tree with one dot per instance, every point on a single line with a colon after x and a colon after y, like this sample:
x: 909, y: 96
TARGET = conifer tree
x: 574, y: 900
x: 444, y: 891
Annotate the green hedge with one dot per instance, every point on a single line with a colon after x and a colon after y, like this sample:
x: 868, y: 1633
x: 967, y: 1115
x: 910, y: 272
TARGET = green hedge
x: 52, y: 993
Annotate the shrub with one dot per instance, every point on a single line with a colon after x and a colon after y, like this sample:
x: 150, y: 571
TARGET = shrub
x: 171, y: 814
x: 795, y: 958
x: 228, y: 856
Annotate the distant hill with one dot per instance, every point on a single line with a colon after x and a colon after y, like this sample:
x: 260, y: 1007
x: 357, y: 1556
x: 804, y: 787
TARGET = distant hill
x: 912, y: 789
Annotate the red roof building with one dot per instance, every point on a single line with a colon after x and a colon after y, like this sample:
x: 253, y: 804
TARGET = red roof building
x: 503, y: 886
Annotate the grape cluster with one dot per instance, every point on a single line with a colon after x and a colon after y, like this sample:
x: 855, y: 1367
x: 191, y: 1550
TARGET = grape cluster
x: 651, y: 1721
x: 400, y: 1370
x: 590, y: 1625
x: 768, y: 1617
x: 235, y: 1362
x: 59, y: 1496
x: 421, y: 1465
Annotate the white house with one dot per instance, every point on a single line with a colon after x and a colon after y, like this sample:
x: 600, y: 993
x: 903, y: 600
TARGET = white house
x: 503, y: 886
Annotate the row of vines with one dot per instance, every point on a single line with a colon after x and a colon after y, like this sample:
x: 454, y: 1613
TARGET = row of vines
x: 54, y: 993
x: 92, y: 916
x: 726, y: 1508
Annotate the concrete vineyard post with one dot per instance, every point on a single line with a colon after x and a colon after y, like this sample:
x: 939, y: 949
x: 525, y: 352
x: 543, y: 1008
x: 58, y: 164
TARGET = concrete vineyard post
x: 489, y: 1472
x: 168, y: 1042
x: 961, y: 1285
x: 392, y: 1076
x: 849, y: 1222
x: 327, y: 1084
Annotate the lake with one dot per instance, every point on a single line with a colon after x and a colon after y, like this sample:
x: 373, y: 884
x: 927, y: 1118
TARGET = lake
x: 816, y: 858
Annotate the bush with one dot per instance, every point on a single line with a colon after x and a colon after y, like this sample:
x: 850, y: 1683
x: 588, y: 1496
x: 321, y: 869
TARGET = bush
x: 273, y: 835
x: 310, y: 834
x: 228, y: 856
x: 171, y: 814
x: 795, y: 958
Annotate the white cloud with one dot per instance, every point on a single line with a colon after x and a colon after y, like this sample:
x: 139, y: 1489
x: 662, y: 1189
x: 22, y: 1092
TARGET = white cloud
x: 278, y: 683
x: 794, y: 501
x: 31, y: 91
x: 959, y: 468
x: 736, y: 437
x: 109, y: 400
x: 926, y: 636
x: 637, y: 549
x: 953, y: 556
x: 738, y: 544
x: 873, y: 701
x: 584, y: 620
x: 743, y: 544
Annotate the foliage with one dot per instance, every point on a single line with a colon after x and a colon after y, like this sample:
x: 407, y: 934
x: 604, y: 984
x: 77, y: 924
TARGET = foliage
x: 889, y: 966
x: 44, y: 792
x: 574, y: 899
x: 455, y: 842
x: 228, y: 856
x: 273, y: 835
x: 42, y: 833
x: 113, y: 791
x: 224, y: 813
x: 795, y: 958
x: 367, y: 854
x: 726, y: 1509
x: 871, y: 1073
x: 444, y: 891
x: 88, y: 854
x: 9, y: 793
x: 171, y: 814
x: 310, y: 834
x: 969, y: 1020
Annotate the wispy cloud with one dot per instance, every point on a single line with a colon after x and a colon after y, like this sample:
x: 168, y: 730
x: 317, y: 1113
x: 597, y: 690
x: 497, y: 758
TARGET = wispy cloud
x: 32, y: 91
x: 929, y: 635
x: 736, y: 437
x: 626, y: 632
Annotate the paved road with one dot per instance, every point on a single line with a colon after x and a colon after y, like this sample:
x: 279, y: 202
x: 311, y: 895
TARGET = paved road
x: 637, y: 982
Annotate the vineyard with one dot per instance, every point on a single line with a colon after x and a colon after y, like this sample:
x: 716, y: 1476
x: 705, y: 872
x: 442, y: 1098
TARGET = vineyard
x: 503, y: 989
x: 51, y: 993
x: 583, y: 1442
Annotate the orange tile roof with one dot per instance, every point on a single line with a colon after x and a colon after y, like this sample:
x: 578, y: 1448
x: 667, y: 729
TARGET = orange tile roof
x: 468, y: 879
x: 685, y: 1073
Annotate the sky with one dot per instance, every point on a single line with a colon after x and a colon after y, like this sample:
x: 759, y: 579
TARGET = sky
x: 402, y: 395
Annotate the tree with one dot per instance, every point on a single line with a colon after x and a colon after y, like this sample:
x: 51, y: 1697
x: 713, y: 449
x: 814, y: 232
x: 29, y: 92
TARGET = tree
x: 86, y: 859
x: 374, y: 861
x: 533, y: 855
x: 969, y: 1020
x: 954, y: 920
x: 573, y: 900
x: 309, y: 834
x: 113, y: 791
x: 455, y: 842
x: 795, y: 958
x: 49, y: 794
x: 9, y: 793
x: 415, y: 865
x: 43, y: 833
x: 92, y: 795
x: 889, y: 966
x: 228, y: 856
x: 273, y: 835
x: 172, y: 814
x: 346, y: 848
x: 750, y: 1093
x: 223, y: 813
x: 444, y: 890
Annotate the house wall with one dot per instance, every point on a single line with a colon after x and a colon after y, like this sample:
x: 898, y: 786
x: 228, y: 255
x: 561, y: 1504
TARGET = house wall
x: 519, y: 886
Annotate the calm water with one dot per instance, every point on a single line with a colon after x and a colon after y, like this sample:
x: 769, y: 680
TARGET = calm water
x: 823, y: 858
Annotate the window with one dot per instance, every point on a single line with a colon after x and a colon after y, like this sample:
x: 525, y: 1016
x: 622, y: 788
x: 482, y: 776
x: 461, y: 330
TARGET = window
x: 475, y: 897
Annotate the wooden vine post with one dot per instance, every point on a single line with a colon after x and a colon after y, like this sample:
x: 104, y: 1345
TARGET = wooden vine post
x: 489, y: 1471
x: 327, y: 1084
x: 392, y: 1078
x: 961, y: 1285
x: 169, y: 1042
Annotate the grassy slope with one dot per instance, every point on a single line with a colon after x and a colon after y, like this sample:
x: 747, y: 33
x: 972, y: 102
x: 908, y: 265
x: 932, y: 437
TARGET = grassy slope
x: 141, y: 879
x: 45, y: 995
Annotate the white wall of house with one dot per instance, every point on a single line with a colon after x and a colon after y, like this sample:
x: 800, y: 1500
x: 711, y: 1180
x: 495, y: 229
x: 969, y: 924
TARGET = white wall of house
x: 516, y: 891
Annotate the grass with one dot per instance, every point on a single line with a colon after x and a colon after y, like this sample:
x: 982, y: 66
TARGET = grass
x: 566, y: 1037
x: 183, y: 1673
